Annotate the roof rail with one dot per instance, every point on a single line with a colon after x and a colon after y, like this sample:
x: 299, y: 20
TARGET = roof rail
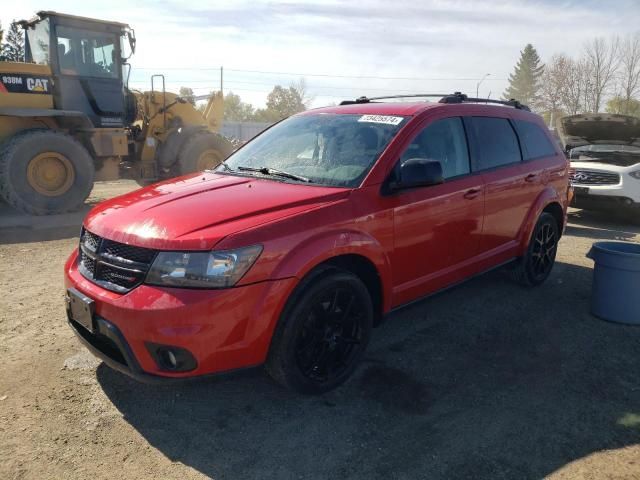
x: 455, y: 97
x: 459, y: 97
x: 413, y: 95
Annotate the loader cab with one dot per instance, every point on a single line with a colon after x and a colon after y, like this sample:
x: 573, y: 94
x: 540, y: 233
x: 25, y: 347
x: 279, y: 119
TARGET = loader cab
x: 86, y: 60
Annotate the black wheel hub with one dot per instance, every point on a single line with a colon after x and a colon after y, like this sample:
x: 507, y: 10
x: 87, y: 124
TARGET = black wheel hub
x: 543, y: 250
x: 331, y: 336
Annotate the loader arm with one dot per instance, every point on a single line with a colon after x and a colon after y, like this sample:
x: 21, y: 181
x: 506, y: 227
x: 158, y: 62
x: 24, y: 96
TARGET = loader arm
x: 214, y: 111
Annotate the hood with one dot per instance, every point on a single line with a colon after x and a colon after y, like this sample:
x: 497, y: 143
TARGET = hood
x: 598, y: 128
x: 197, y: 211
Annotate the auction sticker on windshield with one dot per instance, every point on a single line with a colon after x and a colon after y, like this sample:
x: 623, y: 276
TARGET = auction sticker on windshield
x: 387, y: 119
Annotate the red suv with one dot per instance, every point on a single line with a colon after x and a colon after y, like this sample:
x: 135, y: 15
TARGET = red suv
x: 288, y: 253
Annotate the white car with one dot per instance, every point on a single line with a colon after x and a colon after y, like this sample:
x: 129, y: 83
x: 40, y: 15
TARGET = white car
x: 604, y: 151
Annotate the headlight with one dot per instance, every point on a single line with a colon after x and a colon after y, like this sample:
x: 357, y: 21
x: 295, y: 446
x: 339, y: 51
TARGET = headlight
x: 217, y: 269
x: 635, y: 174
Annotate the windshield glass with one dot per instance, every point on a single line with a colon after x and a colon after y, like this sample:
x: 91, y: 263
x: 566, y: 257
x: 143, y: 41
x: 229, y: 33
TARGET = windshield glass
x: 38, y: 43
x: 328, y: 149
x: 86, y: 53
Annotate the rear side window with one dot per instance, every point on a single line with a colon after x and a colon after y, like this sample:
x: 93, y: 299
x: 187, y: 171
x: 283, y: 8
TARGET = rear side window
x: 496, y: 142
x: 535, y: 144
x: 443, y: 140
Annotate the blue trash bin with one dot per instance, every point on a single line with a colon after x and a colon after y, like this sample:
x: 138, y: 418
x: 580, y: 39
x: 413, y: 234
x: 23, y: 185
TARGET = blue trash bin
x: 616, y: 281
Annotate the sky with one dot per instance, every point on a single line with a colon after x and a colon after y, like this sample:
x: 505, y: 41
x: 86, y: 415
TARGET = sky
x: 345, y: 49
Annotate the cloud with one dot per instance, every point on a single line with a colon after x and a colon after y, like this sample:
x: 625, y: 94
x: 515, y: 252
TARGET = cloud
x: 460, y: 39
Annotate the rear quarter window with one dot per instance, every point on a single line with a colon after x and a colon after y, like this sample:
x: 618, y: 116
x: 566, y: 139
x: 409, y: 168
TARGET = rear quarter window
x: 496, y: 142
x: 535, y: 143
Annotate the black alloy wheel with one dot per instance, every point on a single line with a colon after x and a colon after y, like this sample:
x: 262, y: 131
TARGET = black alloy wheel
x: 543, y: 250
x: 331, y: 335
x: 536, y: 264
x: 323, y: 332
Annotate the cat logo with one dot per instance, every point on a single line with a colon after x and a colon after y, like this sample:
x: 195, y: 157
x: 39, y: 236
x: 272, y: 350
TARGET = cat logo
x: 37, y: 84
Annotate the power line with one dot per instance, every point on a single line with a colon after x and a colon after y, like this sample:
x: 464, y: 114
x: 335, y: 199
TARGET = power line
x: 140, y: 85
x: 231, y: 84
x: 324, y: 75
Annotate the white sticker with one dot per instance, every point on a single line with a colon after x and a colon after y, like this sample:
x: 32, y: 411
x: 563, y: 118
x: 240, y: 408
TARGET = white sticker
x: 389, y: 120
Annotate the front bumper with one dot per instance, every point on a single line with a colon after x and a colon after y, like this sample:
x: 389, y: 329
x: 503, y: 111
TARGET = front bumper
x: 624, y: 193
x: 589, y: 197
x: 224, y: 330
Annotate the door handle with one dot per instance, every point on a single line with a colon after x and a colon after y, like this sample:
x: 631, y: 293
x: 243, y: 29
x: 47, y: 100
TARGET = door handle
x: 473, y: 193
x: 532, y: 177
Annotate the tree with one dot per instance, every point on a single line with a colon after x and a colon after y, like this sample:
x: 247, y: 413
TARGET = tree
x: 601, y: 61
x: 552, y: 85
x: 237, y: 110
x: 283, y: 102
x: 565, y: 85
x: 303, y: 91
x: 625, y: 106
x: 13, y: 46
x: 524, y: 82
x: 187, y: 94
x: 629, y: 79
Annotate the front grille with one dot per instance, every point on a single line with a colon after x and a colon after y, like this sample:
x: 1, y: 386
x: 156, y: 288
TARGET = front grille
x: 91, y: 241
x: 88, y: 263
x: 134, y: 254
x: 115, y: 266
x: 581, y: 176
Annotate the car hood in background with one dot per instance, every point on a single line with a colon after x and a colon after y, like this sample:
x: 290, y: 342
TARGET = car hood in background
x: 598, y: 128
x: 197, y: 211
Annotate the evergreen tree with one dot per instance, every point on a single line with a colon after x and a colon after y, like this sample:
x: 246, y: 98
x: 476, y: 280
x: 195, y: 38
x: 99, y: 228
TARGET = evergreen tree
x: 524, y: 82
x: 13, y: 45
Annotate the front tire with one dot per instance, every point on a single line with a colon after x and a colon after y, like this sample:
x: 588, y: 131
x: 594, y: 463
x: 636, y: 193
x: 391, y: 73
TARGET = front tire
x: 322, y: 334
x: 536, y: 264
x: 45, y: 172
x: 203, y: 151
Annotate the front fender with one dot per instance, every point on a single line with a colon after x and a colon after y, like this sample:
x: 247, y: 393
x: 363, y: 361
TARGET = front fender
x: 548, y: 196
x: 298, y: 262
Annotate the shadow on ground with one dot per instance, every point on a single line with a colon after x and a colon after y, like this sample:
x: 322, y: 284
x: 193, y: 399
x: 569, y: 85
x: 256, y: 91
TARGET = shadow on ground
x: 18, y: 227
x: 488, y: 380
x: 625, y: 220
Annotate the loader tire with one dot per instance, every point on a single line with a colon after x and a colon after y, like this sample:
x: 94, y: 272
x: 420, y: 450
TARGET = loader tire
x: 43, y: 172
x: 203, y: 151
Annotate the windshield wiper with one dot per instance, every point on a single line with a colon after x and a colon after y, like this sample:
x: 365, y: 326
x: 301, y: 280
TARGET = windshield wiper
x: 275, y: 173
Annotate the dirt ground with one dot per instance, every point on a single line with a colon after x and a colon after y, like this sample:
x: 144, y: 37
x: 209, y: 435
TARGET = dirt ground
x: 487, y: 380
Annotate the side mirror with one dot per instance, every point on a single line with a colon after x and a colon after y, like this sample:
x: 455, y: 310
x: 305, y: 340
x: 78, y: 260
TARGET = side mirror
x: 419, y: 172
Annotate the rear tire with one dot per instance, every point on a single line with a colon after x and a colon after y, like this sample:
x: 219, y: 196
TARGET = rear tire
x: 203, y: 151
x: 534, y: 267
x: 323, y: 332
x: 45, y: 172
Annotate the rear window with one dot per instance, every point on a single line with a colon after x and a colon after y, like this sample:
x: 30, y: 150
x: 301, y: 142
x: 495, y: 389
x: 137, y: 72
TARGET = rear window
x: 534, y: 141
x: 496, y: 141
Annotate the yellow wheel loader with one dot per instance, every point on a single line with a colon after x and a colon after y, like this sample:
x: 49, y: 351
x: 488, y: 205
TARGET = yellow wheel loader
x: 68, y: 119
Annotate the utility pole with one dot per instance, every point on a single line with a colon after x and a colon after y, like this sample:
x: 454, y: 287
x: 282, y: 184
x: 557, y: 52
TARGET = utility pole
x: 222, y: 80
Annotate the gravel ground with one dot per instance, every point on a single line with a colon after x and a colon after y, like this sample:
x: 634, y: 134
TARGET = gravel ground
x: 487, y: 380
